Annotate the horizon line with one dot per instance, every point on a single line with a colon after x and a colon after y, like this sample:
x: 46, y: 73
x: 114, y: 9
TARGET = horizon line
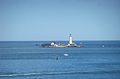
x: 57, y: 40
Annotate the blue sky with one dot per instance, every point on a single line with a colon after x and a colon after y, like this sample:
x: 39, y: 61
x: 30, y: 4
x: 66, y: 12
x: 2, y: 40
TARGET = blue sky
x: 34, y: 20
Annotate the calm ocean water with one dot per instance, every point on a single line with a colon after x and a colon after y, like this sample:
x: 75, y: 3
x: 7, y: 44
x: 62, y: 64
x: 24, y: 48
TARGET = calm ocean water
x: 27, y: 60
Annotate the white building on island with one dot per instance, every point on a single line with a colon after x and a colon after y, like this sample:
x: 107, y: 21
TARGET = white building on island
x: 70, y: 39
x: 71, y: 43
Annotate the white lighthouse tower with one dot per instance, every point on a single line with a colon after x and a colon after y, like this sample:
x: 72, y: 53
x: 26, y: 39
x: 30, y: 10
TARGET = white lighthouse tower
x: 70, y: 39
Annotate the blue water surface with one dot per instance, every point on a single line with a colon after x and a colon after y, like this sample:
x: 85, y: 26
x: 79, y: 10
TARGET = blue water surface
x: 27, y: 60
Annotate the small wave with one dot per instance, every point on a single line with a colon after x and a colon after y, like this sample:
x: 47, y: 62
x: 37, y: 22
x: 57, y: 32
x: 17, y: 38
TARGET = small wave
x: 59, y: 73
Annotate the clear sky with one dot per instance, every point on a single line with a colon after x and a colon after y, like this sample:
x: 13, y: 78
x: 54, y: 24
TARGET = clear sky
x: 28, y: 20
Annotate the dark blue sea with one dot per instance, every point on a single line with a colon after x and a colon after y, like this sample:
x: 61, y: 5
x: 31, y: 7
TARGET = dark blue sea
x: 27, y: 60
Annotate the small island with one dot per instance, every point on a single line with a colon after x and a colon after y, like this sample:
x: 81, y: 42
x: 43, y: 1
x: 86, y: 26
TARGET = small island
x: 61, y: 45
